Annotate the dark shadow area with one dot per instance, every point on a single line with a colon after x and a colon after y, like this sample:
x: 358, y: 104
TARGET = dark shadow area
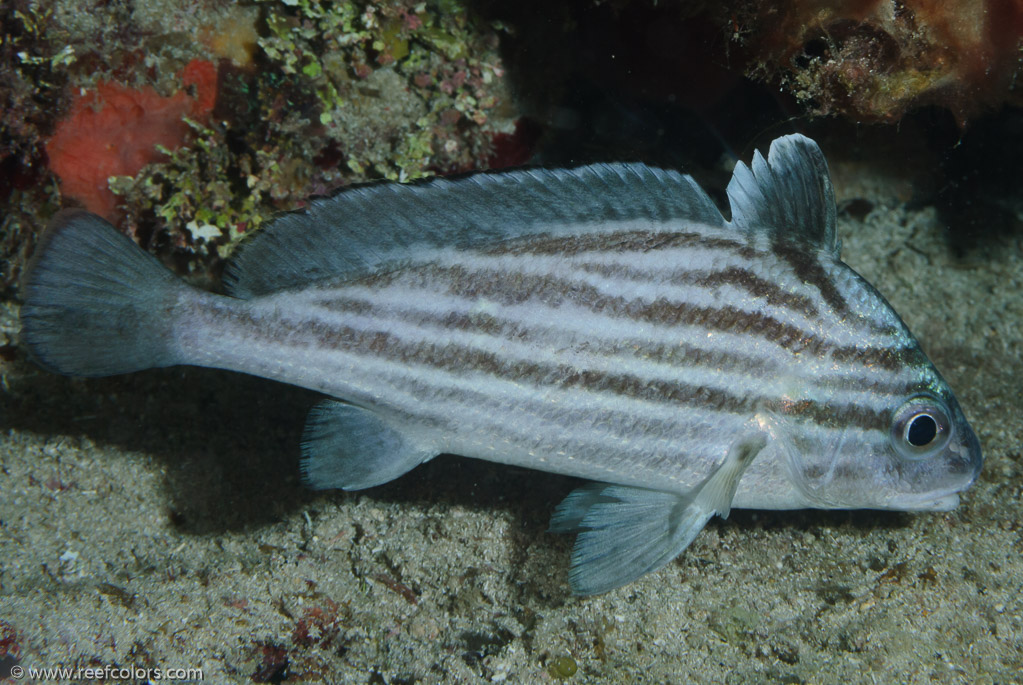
x: 229, y: 442
x: 632, y: 82
x: 454, y: 480
x: 230, y: 446
x: 664, y: 84
x: 977, y: 186
x: 812, y: 520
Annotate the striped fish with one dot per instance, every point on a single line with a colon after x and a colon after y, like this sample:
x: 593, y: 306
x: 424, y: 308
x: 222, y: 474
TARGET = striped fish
x: 604, y: 322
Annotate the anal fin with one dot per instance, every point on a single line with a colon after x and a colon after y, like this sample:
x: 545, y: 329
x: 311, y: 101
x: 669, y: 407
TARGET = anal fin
x: 352, y: 448
x: 625, y: 532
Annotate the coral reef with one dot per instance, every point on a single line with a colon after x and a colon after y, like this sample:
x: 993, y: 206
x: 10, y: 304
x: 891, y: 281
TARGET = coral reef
x: 33, y: 72
x: 368, y: 62
x: 873, y: 60
x: 300, y: 97
x: 277, y: 101
x: 342, y: 93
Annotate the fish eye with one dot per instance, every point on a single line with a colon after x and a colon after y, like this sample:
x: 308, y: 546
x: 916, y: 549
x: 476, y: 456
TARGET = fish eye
x: 921, y: 427
x: 921, y: 430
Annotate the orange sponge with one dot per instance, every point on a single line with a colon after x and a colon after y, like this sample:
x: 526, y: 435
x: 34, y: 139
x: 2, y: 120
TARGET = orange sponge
x: 114, y: 131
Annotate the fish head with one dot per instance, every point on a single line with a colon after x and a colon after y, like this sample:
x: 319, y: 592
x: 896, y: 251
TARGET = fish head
x: 934, y: 455
x: 917, y: 456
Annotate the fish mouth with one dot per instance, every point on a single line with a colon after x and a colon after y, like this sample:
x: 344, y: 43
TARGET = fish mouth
x: 972, y: 452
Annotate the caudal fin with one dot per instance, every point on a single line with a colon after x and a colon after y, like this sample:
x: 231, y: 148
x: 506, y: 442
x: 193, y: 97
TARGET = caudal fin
x: 95, y: 303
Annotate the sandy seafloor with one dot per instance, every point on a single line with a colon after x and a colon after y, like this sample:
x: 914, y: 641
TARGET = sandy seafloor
x: 156, y: 520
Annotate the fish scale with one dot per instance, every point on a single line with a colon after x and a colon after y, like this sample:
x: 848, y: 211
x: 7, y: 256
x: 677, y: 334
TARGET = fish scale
x: 603, y: 322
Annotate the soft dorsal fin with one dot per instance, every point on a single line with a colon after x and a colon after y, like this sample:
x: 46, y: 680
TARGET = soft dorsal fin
x: 363, y: 228
x: 789, y: 195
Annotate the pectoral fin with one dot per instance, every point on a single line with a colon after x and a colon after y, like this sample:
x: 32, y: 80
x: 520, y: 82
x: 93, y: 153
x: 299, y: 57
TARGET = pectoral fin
x: 352, y: 448
x: 625, y: 532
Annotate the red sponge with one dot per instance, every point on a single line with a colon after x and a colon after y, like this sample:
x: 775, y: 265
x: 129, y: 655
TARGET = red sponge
x: 113, y: 131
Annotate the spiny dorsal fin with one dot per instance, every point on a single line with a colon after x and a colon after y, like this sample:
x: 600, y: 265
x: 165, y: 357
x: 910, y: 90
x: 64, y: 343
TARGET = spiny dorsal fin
x: 789, y: 195
x: 361, y: 229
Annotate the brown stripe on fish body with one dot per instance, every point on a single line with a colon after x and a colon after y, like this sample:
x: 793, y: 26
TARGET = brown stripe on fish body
x: 476, y: 322
x: 517, y: 287
x: 684, y: 356
x: 803, y: 262
x: 552, y: 291
x: 611, y: 441
x: 456, y: 360
x: 811, y: 275
x: 807, y: 267
x: 544, y: 378
x: 890, y: 359
x: 738, y: 277
x: 802, y: 271
x: 665, y: 393
x: 598, y: 441
x: 438, y: 400
x: 459, y: 401
x: 621, y: 241
x: 861, y: 417
x: 679, y: 353
x: 831, y: 415
x: 887, y: 384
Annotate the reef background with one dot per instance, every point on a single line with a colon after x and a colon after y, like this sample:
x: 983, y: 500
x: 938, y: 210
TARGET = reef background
x: 157, y: 519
